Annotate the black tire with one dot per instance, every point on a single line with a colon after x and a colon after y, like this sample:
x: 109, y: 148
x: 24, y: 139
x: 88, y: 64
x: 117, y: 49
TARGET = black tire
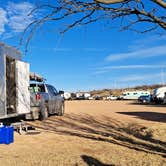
x: 43, y: 113
x: 62, y: 110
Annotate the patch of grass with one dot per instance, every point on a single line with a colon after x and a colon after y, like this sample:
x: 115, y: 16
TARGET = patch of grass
x: 139, y: 131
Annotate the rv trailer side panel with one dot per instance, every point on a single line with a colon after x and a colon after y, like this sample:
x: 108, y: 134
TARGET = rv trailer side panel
x: 10, y: 51
x: 2, y: 85
x: 22, y: 87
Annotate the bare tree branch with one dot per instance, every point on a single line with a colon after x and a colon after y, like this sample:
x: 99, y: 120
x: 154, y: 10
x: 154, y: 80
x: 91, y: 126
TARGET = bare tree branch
x: 110, y: 1
x: 150, y: 12
x: 160, y: 2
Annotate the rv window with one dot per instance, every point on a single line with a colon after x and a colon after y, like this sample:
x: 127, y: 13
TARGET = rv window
x: 135, y: 93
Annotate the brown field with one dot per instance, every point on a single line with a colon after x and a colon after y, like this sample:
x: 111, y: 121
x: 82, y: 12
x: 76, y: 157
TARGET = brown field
x: 93, y: 133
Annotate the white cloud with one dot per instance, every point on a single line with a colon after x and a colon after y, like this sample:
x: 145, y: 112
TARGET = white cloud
x: 106, y: 69
x: 147, y: 42
x: 143, y: 77
x: 146, y: 53
x: 3, y: 20
x: 133, y: 67
x: 94, y: 49
x: 18, y: 15
x: 62, y: 49
x: 14, y: 18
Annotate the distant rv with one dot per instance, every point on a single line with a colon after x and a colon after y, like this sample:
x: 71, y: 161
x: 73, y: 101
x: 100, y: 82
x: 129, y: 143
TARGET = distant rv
x: 67, y: 95
x: 159, y: 94
x: 134, y: 95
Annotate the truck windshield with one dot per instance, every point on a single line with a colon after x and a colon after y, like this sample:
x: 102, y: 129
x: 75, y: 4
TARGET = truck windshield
x: 36, y: 88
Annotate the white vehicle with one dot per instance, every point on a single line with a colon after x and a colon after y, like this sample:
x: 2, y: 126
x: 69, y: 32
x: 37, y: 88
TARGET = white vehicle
x: 80, y: 96
x: 159, y: 94
x: 67, y: 95
x: 134, y: 95
x: 111, y: 97
x: 91, y: 98
x: 87, y: 95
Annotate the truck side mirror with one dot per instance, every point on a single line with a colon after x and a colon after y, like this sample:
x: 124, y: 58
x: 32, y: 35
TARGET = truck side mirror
x: 61, y: 92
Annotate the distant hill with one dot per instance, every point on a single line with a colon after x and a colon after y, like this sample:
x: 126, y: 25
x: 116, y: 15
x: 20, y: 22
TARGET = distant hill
x: 117, y: 92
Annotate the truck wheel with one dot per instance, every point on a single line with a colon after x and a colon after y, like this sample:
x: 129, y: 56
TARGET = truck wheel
x: 144, y: 101
x: 62, y: 110
x: 43, y: 113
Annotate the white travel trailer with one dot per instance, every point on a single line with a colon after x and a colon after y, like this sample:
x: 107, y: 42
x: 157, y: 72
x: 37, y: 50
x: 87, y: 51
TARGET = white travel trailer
x: 14, y: 83
x: 87, y: 95
x: 78, y: 95
x: 67, y: 95
x: 134, y: 95
x: 111, y: 97
x: 159, y: 93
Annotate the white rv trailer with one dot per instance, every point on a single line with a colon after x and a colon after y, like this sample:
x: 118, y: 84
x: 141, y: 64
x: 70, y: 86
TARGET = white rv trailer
x: 87, y: 95
x: 159, y: 93
x: 14, y: 83
x: 79, y: 94
x: 134, y: 95
x: 67, y: 95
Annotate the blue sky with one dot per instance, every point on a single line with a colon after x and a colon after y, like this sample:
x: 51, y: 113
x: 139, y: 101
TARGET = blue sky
x: 86, y: 58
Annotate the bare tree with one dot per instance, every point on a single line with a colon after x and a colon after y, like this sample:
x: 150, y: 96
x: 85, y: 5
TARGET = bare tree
x: 126, y: 13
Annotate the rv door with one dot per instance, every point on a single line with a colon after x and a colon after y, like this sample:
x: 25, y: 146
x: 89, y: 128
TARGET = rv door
x: 22, y: 87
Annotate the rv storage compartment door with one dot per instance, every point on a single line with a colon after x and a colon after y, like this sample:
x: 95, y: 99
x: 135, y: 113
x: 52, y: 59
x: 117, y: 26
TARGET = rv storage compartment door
x: 22, y: 84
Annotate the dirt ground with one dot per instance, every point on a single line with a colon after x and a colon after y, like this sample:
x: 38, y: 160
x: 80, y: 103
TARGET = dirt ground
x: 93, y: 133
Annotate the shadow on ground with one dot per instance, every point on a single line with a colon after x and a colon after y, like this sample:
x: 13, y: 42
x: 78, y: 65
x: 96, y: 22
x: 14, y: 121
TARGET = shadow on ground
x: 106, y: 129
x: 148, y: 104
x: 151, y: 116
x: 90, y: 161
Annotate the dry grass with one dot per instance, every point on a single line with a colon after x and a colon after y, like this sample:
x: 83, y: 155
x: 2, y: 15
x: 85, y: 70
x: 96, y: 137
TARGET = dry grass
x: 93, y: 133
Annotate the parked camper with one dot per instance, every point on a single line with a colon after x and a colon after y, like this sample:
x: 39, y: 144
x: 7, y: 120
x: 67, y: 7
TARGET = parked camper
x: 134, y: 95
x: 91, y: 98
x: 67, y: 95
x: 80, y: 96
x: 111, y: 97
x: 14, y: 83
x: 73, y: 96
x: 159, y: 94
x: 87, y: 96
